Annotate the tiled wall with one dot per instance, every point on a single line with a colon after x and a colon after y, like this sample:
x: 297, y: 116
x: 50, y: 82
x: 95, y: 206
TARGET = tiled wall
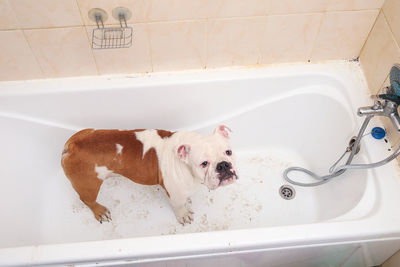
x: 51, y: 38
x: 381, y: 51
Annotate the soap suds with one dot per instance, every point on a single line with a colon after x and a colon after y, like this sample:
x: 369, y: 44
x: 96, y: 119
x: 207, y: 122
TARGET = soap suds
x: 252, y: 201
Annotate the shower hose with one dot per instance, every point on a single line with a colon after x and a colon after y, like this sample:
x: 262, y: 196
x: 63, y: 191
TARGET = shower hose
x: 335, y: 172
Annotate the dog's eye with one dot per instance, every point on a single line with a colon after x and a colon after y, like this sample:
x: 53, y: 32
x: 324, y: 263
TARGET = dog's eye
x: 204, y: 164
x: 228, y: 152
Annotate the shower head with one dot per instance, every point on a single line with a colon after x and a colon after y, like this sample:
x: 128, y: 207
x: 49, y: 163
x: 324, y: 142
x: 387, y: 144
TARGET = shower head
x: 394, y: 77
x: 392, y: 92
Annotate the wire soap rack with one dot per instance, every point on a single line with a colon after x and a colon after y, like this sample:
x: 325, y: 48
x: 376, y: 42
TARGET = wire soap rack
x: 111, y: 37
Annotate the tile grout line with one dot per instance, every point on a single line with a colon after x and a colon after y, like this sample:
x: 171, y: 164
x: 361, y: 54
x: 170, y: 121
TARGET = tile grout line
x: 26, y: 39
x: 206, y: 63
x: 207, y: 20
x: 85, y: 29
x: 394, y: 39
x: 323, y: 15
x: 261, y: 41
x: 34, y: 54
x: 44, y: 28
x: 381, y: 86
x: 368, y: 37
x: 327, y: 4
x: 150, y: 47
x: 390, y: 29
x: 313, y: 47
x: 390, y: 135
x: 196, y: 19
x: 398, y: 48
x: 369, y: 33
x: 147, y: 28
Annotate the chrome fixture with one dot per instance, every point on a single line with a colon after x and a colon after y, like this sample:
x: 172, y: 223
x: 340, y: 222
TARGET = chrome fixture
x: 386, y: 105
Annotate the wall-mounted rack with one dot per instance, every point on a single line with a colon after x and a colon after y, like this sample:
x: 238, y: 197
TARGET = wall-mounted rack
x: 111, y: 37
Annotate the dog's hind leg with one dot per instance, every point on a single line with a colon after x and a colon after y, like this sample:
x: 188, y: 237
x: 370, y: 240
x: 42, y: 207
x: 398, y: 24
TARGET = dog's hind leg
x: 88, y: 187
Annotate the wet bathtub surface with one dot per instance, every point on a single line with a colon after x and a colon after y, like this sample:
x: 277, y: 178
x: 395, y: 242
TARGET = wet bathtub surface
x: 136, y: 210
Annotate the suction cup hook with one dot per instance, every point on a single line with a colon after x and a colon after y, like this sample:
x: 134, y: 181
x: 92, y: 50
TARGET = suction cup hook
x: 121, y: 14
x: 97, y: 15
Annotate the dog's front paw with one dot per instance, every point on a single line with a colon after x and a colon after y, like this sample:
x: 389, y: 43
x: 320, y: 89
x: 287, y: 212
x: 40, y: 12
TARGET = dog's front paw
x: 184, y: 215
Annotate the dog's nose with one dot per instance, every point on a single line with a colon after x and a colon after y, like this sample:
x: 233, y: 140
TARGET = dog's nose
x: 223, y: 166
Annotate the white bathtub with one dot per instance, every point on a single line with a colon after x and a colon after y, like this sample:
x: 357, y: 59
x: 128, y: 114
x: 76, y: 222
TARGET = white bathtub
x: 300, y: 115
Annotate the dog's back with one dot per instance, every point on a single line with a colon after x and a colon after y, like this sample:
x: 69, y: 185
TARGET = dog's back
x: 90, y: 156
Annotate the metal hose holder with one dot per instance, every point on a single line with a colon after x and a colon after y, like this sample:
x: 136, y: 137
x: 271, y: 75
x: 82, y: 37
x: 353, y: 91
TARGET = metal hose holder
x: 386, y: 104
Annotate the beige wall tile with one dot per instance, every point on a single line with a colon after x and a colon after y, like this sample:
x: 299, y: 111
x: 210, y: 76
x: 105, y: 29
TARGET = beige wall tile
x: 7, y: 16
x: 391, y: 10
x: 289, y: 38
x: 379, y: 53
x: 46, y: 13
x: 62, y: 52
x: 125, y: 60
x: 240, y: 8
x: 164, y: 10
x: 16, y: 59
x: 236, y: 8
x: 234, y: 41
x: 386, y: 83
x: 354, y: 4
x: 393, y: 261
x: 295, y: 6
x: 138, y: 8
x: 178, y: 45
x: 342, y: 34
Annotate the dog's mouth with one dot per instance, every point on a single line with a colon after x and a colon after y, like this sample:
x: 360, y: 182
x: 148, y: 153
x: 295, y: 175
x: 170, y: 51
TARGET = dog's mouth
x: 227, y: 177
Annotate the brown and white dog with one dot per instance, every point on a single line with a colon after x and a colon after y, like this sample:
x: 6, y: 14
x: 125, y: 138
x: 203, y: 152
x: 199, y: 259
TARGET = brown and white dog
x: 178, y: 161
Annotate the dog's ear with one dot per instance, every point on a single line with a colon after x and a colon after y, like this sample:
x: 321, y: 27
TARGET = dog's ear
x: 223, y: 130
x: 183, y: 151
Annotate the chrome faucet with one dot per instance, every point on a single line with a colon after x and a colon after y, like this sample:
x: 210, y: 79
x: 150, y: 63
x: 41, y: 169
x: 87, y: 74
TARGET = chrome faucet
x: 385, y: 105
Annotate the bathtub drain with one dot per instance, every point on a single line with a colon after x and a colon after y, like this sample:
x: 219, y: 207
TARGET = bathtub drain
x: 287, y: 192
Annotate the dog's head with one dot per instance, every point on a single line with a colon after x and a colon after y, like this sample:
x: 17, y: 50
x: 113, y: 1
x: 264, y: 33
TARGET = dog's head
x: 211, y: 158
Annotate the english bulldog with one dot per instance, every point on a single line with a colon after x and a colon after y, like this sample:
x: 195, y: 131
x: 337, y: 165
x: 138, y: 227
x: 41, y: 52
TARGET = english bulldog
x: 178, y: 161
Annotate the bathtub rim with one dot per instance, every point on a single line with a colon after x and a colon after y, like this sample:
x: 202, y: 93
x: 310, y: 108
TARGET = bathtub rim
x: 148, y: 249
x: 338, y: 70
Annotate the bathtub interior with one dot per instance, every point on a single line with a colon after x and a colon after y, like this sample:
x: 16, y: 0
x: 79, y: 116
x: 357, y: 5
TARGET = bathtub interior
x: 276, y: 122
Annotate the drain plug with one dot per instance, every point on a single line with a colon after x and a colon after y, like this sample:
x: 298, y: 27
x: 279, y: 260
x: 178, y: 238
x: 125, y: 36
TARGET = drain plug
x: 287, y: 192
